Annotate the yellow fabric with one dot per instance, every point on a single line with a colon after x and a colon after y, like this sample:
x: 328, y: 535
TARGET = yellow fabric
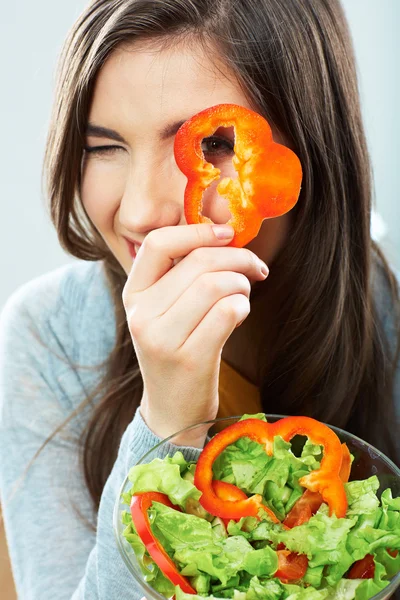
x: 237, y: 395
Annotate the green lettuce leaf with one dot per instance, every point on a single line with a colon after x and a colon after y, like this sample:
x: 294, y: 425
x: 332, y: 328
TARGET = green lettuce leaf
x: 391, y: 563
x: 390, y: 515
x: 313, y: 576
x: 370, y: 587
x: 322, y: 538
x: 259, y: 416
x: 296, y: 592
x: 361, y: 496
x: 366, y: 540
x: 150, y: 571
x: 165, y: 476
x: 264, y: 589
x: 240, y: 563
x: 344, y: 590
x: 261, y: 562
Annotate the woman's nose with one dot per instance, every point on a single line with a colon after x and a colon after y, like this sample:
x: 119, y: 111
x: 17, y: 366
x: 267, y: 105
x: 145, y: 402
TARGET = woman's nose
x: 152, y: 198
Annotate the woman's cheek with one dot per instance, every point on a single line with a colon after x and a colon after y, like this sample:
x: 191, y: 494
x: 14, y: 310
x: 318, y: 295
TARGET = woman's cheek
x: 215, y: 207
x: 101, y: 192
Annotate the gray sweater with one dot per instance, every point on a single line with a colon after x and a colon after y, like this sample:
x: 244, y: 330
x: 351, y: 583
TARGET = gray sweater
x: 55, y: 333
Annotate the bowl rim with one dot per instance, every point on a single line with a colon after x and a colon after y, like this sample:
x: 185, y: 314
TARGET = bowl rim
x: 394, y: 582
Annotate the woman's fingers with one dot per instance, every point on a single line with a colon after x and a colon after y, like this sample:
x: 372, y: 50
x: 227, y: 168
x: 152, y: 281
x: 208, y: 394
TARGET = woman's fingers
x: 163, y: 246
x: 177, y: 324
x: 219, y: 322
x: 161, y: 296
x: 180, y: 315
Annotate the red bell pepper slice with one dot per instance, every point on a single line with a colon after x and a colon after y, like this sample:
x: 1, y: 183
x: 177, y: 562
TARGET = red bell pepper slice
x: 227, y: 491
x: 308, y: 504
x: 203, y: 476
x: 345, y: 467
x: 325, y: 480
x: 291, y: 566
x: 140, y: 503
x: 269, y: 174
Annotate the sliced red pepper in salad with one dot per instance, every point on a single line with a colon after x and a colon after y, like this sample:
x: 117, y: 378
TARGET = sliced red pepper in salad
x: 308, y: 504
x: 291, y: 566
x: 326, y: 480
x: 227, y: 501
x: 228, y: 491
x: 140, y: 503
x: 269, y: 174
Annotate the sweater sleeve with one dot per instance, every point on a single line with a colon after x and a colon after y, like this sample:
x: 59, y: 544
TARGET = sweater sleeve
x: 46, y: 508
x: 106, y: 576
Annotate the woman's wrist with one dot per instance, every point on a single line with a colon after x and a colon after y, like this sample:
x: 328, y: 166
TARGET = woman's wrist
x: 163, y: 427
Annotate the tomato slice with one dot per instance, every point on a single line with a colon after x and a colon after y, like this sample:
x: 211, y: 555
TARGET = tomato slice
x: 304, y: 508
x: 140, y: 503
x: 291, y: 566
x: 309, y: 503
x: 363, y: 568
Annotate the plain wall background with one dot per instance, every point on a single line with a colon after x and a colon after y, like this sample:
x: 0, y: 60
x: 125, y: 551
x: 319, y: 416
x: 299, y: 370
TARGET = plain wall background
x: 31, y: 37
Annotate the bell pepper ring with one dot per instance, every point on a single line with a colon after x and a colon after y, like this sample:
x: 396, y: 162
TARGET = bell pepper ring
x: 227, y: 491
x: 269, y: 174
x: 140, y: 503
x: 308, y: 504
x: 230, y: 492
x: 291, y: 566
x: 325, y: 480
x: 345, y: 467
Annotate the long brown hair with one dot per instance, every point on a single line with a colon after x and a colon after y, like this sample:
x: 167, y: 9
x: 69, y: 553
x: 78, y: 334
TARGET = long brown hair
x: 295, y: 63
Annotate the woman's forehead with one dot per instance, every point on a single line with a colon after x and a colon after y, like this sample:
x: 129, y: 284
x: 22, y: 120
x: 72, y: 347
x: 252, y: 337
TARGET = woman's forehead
x: 144, y: 86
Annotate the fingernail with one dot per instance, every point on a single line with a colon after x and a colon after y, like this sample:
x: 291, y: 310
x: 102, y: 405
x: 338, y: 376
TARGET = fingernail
x: 264, y: 269
x: 223, y: 232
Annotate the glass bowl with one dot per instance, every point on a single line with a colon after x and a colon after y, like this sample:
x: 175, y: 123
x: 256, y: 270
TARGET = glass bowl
x: 367, y: 461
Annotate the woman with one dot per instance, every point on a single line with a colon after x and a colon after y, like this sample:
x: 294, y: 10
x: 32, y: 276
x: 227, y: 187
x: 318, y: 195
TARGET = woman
x: 157, y: 314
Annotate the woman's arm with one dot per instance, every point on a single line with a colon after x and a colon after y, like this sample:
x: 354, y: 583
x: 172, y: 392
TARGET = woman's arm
x: 106, y: 575
x: 53, y: 552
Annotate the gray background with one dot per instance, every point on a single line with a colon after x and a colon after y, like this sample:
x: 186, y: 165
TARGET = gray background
x: 31, y: 35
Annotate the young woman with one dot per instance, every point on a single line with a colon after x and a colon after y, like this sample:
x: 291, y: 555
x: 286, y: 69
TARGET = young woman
x: 162, y: 324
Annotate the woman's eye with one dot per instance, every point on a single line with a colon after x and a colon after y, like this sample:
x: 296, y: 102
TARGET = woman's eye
x: 102, y: 150
x: 217, y: 146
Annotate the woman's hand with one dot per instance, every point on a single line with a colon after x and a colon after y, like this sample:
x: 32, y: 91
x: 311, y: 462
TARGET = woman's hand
x: 180, y: 315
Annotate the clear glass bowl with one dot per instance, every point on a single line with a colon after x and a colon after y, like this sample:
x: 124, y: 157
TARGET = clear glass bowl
x: 367, y: 461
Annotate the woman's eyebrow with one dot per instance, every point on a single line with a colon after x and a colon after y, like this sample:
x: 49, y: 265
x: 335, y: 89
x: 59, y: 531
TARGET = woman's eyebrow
x: 98, y: 131
x: 170, y: 130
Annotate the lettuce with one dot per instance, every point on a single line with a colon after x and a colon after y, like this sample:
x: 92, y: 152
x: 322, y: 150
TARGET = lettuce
x: 322, y: 538
x: 165, y: 476
x: 240, y: 563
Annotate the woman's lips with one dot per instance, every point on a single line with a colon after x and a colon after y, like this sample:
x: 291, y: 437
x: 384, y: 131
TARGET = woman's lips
x: 133, y: 247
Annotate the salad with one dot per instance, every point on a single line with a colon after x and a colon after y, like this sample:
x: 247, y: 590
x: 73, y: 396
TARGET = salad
x: 259, y: 517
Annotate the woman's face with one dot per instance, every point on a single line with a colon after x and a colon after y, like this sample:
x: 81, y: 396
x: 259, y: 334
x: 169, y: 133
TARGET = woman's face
x: 133, y: 185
